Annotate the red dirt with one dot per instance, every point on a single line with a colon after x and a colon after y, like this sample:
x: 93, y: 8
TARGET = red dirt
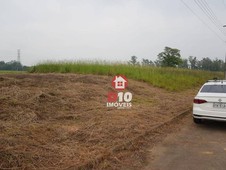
x: 60, y: 121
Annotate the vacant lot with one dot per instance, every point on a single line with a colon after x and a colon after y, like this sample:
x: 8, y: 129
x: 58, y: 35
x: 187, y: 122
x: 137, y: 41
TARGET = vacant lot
x: 60, y: 121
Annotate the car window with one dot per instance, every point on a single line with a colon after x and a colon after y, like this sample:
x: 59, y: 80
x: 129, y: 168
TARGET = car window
x: 214, y: 89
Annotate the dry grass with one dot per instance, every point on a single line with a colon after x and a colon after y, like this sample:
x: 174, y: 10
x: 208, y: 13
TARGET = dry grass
x: 56, y: 121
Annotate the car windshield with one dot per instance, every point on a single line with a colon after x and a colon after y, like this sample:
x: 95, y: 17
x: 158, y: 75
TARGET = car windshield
x: 214, y: 89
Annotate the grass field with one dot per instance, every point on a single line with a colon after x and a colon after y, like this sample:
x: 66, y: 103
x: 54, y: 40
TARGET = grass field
x: 11, y: 72
x: 173, y: 79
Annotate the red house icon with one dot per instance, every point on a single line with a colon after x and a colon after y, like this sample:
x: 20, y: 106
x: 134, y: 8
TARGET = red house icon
x: 119, y: 82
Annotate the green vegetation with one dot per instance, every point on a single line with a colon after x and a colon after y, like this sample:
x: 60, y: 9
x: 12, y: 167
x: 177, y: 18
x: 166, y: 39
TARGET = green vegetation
x: 173, y: 79
x: 11, y: 72
x: 169, y: 57
x: 12, y: 66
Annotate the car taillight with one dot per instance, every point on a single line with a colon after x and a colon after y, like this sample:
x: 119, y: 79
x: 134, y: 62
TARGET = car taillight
x: 199, y: 101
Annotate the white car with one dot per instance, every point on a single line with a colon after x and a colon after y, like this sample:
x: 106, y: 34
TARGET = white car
x: 210, y: 102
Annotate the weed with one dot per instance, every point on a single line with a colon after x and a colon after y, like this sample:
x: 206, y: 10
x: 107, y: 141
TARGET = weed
x: 173, y: 79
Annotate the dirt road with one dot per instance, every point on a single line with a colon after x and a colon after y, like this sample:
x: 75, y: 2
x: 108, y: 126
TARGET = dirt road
x: 194, y: 147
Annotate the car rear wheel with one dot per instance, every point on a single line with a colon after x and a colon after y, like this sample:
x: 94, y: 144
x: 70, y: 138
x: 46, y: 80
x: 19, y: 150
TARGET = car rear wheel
x: 197, y: 121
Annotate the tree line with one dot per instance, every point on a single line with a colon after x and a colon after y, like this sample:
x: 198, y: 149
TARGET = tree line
x: 12, y: 65
x: 171, y: 57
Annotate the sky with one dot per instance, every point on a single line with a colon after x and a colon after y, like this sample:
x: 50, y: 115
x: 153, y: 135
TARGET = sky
x: 110, y: 30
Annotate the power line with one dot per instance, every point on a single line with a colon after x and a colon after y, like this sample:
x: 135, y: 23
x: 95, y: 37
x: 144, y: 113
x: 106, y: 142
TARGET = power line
x: 224, y: 3
x: 211, y: 11
x: 210, y: 15
x: 203, y: 22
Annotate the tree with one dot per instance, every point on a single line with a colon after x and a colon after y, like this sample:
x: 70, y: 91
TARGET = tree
x: 170, y: 57
x: 193, y: 62
x: 218, y: 65
x: 134, y: 61
x: 184, y: 63
x: 2, y: 65
x: 206, y: 64
x: 146, y: 62
x: 157, y: 63
x: 12, y: 65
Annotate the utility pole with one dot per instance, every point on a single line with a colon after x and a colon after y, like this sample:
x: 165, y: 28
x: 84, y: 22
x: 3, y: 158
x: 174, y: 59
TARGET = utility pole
x: 225, y: 62
x: 18, y: 55
x: 224, y: 67
x: 18, y: 60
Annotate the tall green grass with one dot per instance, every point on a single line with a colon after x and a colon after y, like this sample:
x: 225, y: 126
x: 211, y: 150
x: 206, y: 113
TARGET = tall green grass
x: 11, y: 72
x: 173, y: 79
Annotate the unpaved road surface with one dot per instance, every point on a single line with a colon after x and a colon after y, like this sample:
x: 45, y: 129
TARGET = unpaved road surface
x: 201, y: 147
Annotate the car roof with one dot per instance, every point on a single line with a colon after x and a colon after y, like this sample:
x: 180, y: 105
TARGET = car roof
x: 215, y: 82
